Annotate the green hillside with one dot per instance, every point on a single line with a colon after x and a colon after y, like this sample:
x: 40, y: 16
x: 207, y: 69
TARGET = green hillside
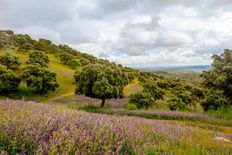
x: 21, y: 45
x: 136, y: 112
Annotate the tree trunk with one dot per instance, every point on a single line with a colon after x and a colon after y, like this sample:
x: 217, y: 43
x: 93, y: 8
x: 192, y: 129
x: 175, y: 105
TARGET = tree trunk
x: 103, y: 103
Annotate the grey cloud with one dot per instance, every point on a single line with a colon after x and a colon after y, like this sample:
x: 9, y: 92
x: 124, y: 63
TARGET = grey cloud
x: 145, y: 30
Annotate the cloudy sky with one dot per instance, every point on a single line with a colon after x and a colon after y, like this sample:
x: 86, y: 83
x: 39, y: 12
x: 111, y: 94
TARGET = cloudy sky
x: 132, y: 32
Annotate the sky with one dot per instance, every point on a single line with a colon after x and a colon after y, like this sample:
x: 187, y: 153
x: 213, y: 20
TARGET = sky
x: 135, y: 33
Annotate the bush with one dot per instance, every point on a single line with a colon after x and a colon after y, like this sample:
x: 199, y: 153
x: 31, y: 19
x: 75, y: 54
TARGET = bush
x: 73, y: 63
x: 152, y: 88
x: 84, y: 61
x: 213, y: 101
x: 38, y: 58
x: 176, y: 104
x: 42, y: 79
x: 9, y: 81
x: 142, y: 100
x: 10, y: 61
x: 185, y: 97
x: 129, y: 106
x: 163, y: 84
x: 69, y: 60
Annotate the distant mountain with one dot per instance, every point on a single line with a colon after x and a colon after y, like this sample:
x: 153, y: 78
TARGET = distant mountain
x: 177, y: 68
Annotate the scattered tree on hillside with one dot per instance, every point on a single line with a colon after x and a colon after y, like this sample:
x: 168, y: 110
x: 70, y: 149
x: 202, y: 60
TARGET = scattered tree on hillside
x: 102, y: 82
x: 42, y: 79
x: 176, y: 104
x: 84, y: 61
x: 152, y: 88
x: 38, y: 58
x: 214, y: 100
x: 10, y: 61
x: 69, y: 60
x: 9, y: 81
x: 219, y: 78
x: 142, y: 100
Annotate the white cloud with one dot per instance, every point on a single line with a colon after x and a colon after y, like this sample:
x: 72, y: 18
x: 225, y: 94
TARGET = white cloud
x: 131, y: 32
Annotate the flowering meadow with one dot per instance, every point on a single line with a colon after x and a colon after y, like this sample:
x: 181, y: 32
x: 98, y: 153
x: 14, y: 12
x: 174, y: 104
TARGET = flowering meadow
x: 35, y: 128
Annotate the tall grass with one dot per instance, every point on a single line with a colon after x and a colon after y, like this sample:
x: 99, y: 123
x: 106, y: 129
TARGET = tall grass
x: 222, y: 113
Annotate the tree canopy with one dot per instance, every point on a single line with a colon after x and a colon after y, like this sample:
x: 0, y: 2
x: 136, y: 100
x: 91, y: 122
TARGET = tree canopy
x: 10, y: 61
x: 38, y: 58
x: 102, y: 82
x: 219, y: 78
x: 69, y: 59
x: 8, y: 79
x: 42, y: 79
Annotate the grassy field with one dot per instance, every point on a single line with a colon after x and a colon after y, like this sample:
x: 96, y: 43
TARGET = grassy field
x: 64, y: 78
x: 72, y: 124
x: 34, y: 128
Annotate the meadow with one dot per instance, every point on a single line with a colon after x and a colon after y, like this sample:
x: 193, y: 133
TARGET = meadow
x: 68, y: 102
x: 28, y: 127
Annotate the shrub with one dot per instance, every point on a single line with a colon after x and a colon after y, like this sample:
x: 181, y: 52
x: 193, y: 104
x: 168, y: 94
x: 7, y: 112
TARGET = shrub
x: 38, y: 58
x: 198, y: 92
x: 10, y: 61
x: 42, y: 79
x: 84, y: 61
x: 9, y: 81
x: 142, y: 100
x: 152, y: 88
x: 176, y: 104
x: 129, y: 106
x: 73, y: 63
x: 185, y: 97
x: 163, y: 84
x: 69, y: 60
x: 213, y: 101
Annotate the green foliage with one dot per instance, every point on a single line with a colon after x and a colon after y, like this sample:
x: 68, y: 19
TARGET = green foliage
x: 220, y: 76
x: 84, y: 61
x: 100, y: 82
x: 185, y: 97
x: 9, y: 81
x: 130, y: 106
x: 25, y: 47
x: 224, y: 113
x: 214, y: 100
x: 176, y: 104
x: 92, y: 108
x: 42, y: 79
x: 131, y: 73
x: 164, y: 84
x: 10, y: 61
x: 73, y: 63
x: 145, y: 76
x: 198, y: 92
x: 142, y: 100
x: 69, y: 60
x: 154, y: 90
x: 38, y: 58
x: 46, y: 46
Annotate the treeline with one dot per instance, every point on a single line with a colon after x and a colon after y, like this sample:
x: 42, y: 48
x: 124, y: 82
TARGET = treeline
x: 214, y: 91
x: 102, y: 79
x: 68, y: 55
x: 36, y: 74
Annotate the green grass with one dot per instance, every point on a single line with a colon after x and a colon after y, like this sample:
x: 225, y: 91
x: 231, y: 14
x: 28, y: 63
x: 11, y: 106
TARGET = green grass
x: 222, y: 113
x: 89, y: 108
x: 132, y: 87
x: 64, y: 78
